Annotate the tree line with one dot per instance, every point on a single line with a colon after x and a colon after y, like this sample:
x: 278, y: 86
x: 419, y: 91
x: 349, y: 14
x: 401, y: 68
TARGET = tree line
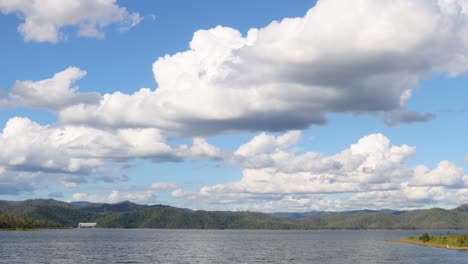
x: 9, y: 222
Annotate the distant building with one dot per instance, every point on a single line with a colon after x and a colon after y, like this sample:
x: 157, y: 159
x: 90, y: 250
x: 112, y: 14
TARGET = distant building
x: 86, y: 225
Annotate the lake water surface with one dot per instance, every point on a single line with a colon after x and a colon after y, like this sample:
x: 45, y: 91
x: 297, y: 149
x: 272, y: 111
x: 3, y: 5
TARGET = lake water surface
x: 216, y: 246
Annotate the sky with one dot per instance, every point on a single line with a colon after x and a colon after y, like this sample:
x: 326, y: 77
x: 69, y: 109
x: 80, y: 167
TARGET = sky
x: 265, y: 105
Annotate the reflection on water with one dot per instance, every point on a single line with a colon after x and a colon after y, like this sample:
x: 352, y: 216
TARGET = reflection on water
x: 216, y: 246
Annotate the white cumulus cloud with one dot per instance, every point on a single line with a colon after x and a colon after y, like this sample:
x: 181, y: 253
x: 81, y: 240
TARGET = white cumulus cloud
x: 55, y: 93
x: 28, y: 146
x: 445, y: 174
x: 44, y: 20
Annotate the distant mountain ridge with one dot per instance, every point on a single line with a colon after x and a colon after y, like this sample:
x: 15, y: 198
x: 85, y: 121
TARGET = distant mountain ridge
x: 296, y: 215
x: 127, y: 214
x: 463, y: 207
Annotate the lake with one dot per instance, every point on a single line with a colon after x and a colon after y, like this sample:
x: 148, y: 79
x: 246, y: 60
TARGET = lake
x: 216, y: 246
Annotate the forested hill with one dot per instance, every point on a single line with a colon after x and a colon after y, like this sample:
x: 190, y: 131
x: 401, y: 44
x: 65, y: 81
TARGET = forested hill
x: 130, y: 215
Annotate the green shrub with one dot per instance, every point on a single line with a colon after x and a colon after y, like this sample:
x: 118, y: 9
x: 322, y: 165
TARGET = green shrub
x: 425, y: 237
x: 462, y: 241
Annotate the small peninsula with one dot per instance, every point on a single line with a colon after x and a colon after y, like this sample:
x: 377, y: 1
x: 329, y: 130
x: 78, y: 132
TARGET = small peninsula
x: 449, y: 241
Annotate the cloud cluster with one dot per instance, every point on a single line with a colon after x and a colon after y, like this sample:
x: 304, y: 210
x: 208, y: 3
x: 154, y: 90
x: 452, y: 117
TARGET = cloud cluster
x: 370, y: 164
x: 30, y: 146
x: 371, y: 172
x: 341, y: 57
x: 78, y: 150
x: 285, y: 76
x: 278, y: 176
x: 44, y: 20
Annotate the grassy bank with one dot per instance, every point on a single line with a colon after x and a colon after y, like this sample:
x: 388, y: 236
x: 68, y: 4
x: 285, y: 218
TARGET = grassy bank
x: 449, y: 241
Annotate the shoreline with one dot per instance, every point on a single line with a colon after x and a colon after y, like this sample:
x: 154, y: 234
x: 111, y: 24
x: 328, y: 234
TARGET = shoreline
x: 428, y: 244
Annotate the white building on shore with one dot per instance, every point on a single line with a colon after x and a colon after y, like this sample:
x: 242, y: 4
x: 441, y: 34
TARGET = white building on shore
x: 86, y: 225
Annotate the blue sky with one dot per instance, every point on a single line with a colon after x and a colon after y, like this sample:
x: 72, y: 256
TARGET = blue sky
x: 240, y: 105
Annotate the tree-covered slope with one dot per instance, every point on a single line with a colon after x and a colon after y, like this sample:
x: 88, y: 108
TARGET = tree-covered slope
x: 170, y: 217
x: 435, y: 218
